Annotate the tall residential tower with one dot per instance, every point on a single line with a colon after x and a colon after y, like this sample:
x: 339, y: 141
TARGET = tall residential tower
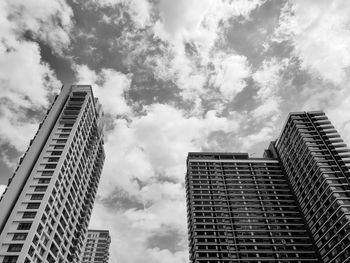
x: 293, y: 205
x: 241, y: 209
x: 316, y: 162
x: 45, y: 211
x: 96, y: 247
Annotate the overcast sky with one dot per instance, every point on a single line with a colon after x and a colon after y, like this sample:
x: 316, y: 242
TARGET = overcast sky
x: 173, y: 77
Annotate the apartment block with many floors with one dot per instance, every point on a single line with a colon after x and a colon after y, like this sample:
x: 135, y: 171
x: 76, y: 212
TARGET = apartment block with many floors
x: 293, y: 205
x: 241, y: 209
x: 47, y: 205
x: 96, y: 247
x: 316, y: 161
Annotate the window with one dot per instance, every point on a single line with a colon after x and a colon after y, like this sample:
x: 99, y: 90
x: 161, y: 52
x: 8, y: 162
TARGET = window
x: 44, y: 181
x: 76, y: 99
x: 29, y: 214
x: 40, y: 226
x: 24, y: 226
x: 10, y: 259
x: 40, y: 188
x: 50, y: 258
x: 58, y: 147
x: 14, y: 248
x: 53, y: 159
x: 35, y: 240
x: 47, y: 173
x: 19, y: 236
x: 33, y: 205
x: 37, y: 197
x: 31, y: 251
x: 79, y: 93
x: 50, y: 166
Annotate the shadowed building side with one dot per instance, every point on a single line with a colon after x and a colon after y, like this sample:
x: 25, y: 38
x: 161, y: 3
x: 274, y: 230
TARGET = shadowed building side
x: 241, y: 209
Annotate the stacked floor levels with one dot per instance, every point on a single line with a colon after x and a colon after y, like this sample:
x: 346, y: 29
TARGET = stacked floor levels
x: 45, y: 211
x: 242, y: 209
x: 96, y: 247
x: 316, y: 162
x: 293, y: 205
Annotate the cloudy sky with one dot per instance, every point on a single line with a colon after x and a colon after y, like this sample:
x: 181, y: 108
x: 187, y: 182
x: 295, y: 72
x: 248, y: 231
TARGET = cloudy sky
x: 173, y: 77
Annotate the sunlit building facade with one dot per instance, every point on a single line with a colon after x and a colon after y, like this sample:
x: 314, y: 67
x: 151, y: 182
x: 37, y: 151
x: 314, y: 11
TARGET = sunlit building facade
x: 45, y: 211
x: 316, y: 161
x: 96, y: 247
x: 241, y: 209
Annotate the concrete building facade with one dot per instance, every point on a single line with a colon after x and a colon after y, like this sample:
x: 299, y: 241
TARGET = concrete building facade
x: 316, y: 161
x: 241, y: 209
x: 96, y: 247
x: 47, y: 205
x: 293, y: 205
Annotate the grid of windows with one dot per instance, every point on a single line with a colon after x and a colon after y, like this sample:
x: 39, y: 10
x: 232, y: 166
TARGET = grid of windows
x: 317, y: 164
x: 56, y: 207
x: 96, y: 247
x: 241, y: 210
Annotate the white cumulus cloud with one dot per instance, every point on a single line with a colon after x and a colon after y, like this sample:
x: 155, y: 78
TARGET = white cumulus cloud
x: 230, y: 73
x: 26, y: 81
x: 199, y: 24
x: 320, y: 33
x: 157, y: 143
x: 109, y: 86
x: 48, y: 20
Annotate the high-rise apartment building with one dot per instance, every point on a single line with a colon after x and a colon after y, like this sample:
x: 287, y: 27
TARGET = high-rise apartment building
x: 241, y: 209
x: 293, y: 205
x: 96, y: 247
x: 316, y: 162
x: 45, y: 211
